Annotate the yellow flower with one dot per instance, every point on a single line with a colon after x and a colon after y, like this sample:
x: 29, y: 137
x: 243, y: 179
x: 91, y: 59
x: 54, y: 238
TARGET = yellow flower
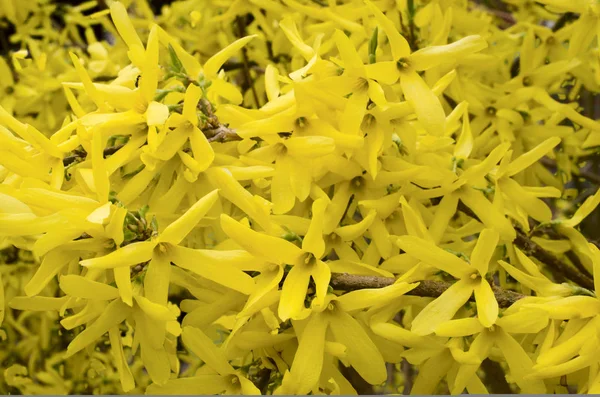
x: 406, y: 65
x: 306, y: 262
x: 519, y: 362
x: 221, y: 377
x: 165, y: 248
x: 471, y: 279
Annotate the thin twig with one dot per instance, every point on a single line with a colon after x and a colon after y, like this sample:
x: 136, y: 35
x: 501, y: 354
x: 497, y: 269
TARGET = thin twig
x: 554, y: 264
x: 531, y: 248
x: 241, y: 23
x: 426, y: 288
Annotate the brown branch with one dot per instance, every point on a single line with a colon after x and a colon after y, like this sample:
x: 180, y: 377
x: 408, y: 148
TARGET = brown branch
x: 556, y: 266
x: 241, y: 24
x: 426, y: 288
x: 531, y: 248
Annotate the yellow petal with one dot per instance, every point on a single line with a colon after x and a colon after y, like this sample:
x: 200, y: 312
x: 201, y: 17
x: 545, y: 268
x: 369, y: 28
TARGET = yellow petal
x: 223, y: 273
x: 293, y: 292
x: 313, y: 240
x: 114, y: 314
x: 276, y: 250
x: 51, y: 265
x: 125, y: 375
x: 527, y: 159
x: 363, y: 298
x: 149, y: 79
x: 129, y: 255
x: 487, y: 306
x: 127, y: 32
x: 362, y: 353
x: 524, y: 322
x: 351, y: 232
x: 484, y: 250
x: 154, y: 311
x: 432, y: 56
x: 442, y: 308
x: 489, y: 215
x: 214, y: 63
x: 81, y: 287
x: 178, y: 230
x: 191, y: 386
x: 203, y: 347
x: 426, y: 105
x: 534, y: 207
x: 459, y: 328
x: 308, y: 360
x: 123, y: 281
x: 398, y: 43
x: 156, y: 114
x: 433, y: 255
x: 582, y: 212
x: 519, y: 363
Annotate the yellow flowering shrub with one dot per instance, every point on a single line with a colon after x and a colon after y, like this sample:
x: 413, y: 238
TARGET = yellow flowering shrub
x: 298, y: 197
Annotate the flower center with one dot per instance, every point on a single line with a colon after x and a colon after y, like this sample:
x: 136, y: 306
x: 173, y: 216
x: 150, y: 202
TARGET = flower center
x: 402, y: 64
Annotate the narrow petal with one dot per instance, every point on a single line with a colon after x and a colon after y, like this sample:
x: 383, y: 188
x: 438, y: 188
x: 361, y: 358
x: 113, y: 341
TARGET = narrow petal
x: 427, y: 106
x: 459, y: 328
x: 203, y: 347
x: 524, y: 322
x: 114, y: 314
x: 527, y: 159
x: 583, y: 211
x: 362, y: 353
x: 313, y: 241
x: 487, y: 306
x: 519, y: 363
x: 129, y: 255
x: 84, y: 288
x: 433, y: 255
x: 484, y: 250
x: 193, y: 386
x: 178, y: 230
x: 398, y: 43
x: 433, y: 56
x: 308, y: 360
x: 51, y: 265
x: 293, y: 292
x: 125, y: 375
x: 276, y: 250
x: 223, y: 273
x: 214, y: 63
x: 489, y: 215
x: 364, y: 298
x: 385, y: 72
x: 442, y: 308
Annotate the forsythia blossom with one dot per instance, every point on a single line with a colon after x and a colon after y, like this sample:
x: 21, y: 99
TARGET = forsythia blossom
x: 293, y: 197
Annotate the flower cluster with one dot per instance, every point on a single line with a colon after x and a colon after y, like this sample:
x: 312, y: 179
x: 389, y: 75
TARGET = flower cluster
x: 296, y: 197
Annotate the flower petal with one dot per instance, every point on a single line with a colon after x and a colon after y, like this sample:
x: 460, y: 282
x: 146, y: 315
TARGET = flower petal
x: 487, y: 306
x: 427, y: 106
x: 221, y: 273
x: 276, y: 250
x: 129, y: 255
x: 442, y: 308
x: 399, y: 46
x: 178, y: 230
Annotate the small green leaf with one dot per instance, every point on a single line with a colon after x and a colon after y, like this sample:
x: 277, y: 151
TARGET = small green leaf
x: 373, y: 46
x: 176, y: 64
